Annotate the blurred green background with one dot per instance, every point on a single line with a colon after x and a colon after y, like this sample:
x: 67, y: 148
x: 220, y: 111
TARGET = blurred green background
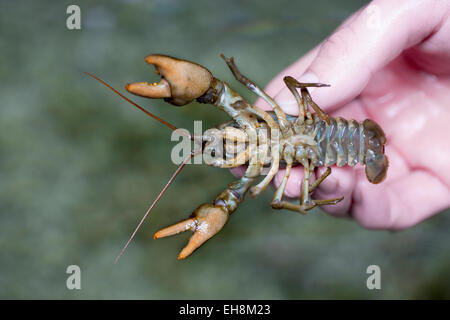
x: 79, y: 166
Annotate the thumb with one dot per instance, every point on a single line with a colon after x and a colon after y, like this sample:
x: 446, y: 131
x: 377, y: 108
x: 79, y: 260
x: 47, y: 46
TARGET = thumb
x: 374, y: 37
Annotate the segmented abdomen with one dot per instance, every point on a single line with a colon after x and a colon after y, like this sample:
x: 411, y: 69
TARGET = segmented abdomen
x: 341, y: 142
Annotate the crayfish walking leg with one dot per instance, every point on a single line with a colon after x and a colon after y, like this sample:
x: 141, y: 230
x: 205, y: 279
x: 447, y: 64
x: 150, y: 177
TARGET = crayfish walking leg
x: 306, y: 203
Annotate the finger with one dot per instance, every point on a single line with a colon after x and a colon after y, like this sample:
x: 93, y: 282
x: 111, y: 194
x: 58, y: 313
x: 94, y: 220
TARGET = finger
x: 294, y: 182
x: 400, y: 204
x: 377, y: 34
x: 294, y: 70
x: 434, y: 54
x: 239, y: 171
x: 340, y: 183
x: 412, y: 107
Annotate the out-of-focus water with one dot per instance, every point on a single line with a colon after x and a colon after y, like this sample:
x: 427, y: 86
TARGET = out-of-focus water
x: 79, y: 166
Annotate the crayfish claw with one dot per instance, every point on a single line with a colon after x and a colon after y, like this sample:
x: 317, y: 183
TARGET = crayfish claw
x: 207, y: 220
x: 182, y: 81
x: 155, y: 90
x: 176, y: 228
x: 196, y: 240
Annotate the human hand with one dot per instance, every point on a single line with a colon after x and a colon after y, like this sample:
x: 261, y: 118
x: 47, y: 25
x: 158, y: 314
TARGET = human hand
x: 390, y: 62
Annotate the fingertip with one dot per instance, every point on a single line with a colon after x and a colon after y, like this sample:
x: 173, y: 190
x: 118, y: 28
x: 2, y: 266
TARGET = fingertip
x: 293, y: 185
x: 277, y: 87
x: 370, y: 208
x: 287, y: 102
x: 401, y: 203
x: 295, y: 70
x: 340, y: 183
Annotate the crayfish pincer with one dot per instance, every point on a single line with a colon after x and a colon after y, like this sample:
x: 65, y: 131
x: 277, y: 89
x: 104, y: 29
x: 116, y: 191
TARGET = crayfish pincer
x: 181, y: 81
x: 266, y: 139
x: 206, y: 221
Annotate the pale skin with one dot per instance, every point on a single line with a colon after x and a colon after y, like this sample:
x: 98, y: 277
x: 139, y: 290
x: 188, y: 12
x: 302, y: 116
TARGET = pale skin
x: 390, y: 62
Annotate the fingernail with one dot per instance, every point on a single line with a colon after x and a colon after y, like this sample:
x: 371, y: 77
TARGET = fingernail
x: 287, y: 101
x: 308, y: 77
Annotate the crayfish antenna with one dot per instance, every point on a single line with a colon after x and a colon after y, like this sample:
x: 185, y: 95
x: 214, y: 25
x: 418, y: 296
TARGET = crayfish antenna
x: 153, y: 204
x: 164, y: 122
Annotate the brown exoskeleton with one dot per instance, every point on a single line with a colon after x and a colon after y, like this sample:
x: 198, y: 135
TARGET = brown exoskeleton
x: 311, y: 139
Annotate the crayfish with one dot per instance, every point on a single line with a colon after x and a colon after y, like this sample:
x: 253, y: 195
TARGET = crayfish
x: 269, y: 141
